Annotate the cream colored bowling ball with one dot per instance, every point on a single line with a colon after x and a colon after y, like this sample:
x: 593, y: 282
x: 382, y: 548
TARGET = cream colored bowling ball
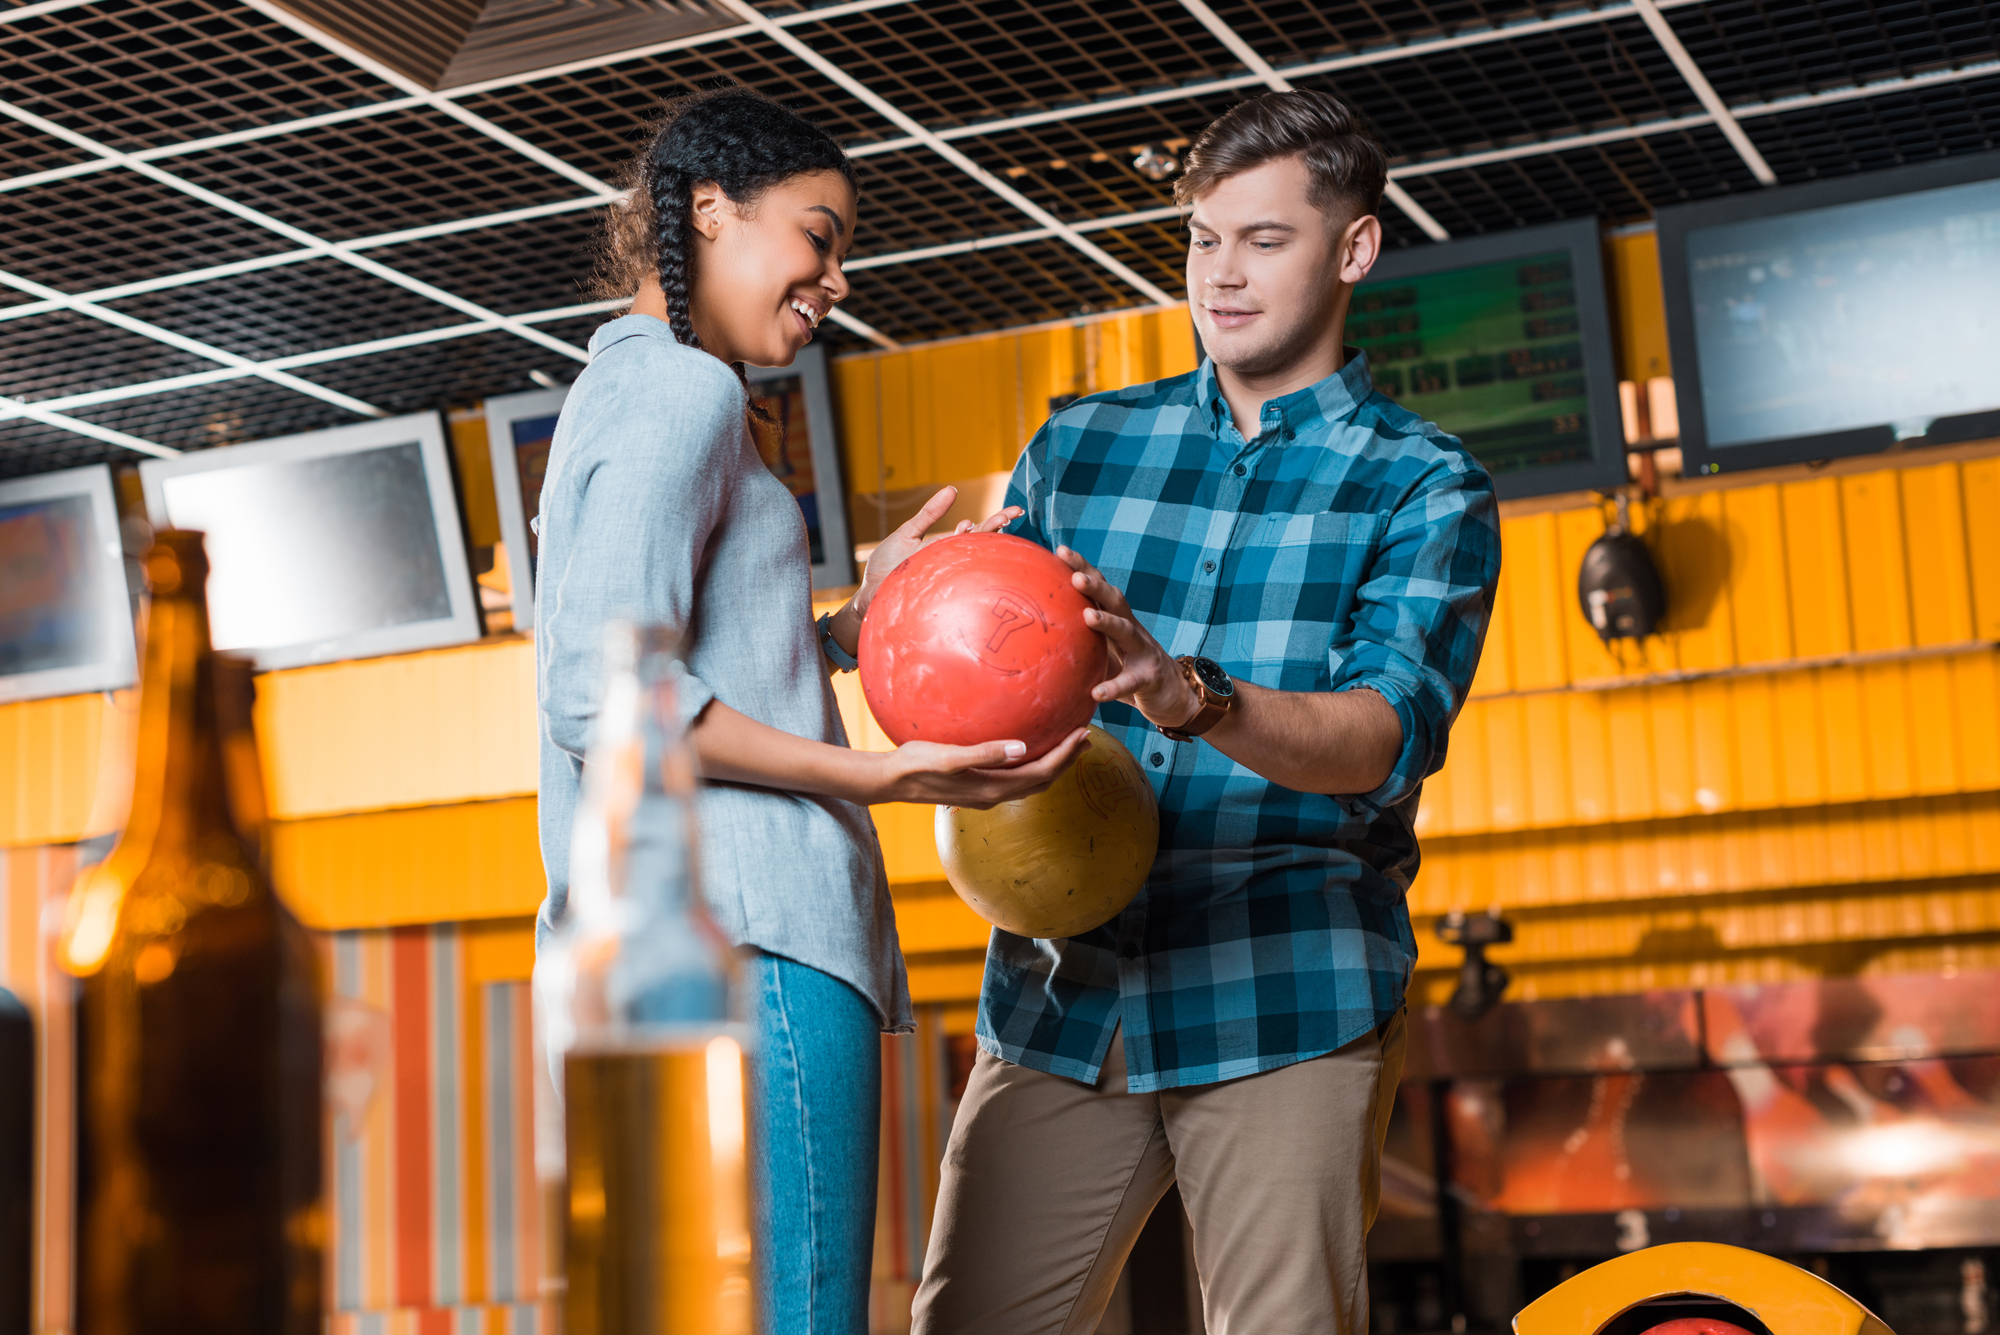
x: 1063, y: 861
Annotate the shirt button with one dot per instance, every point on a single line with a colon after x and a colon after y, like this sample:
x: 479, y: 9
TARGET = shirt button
x: 1208, y: 567
x: 1158, y: 760
x: 1241, y: 470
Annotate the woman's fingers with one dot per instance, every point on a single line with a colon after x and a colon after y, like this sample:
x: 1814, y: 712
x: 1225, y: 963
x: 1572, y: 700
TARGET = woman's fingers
x: 934, y: 508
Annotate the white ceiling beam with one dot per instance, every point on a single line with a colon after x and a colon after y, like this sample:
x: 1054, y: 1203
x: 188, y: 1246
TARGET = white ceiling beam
x: 35, y: 11
x: 1778, y: 106
x: 897, y: 117
x: 297, y: 236
x: 146, y: 329
x: 317, y: 357
x: 979, y: 243
x: 48, y: 417
x: 1277, y: 83
x: 1388, y: 51
x: 1670, y: 42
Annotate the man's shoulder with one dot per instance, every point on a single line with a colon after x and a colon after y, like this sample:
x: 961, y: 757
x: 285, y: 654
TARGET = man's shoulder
x: 1411, y: 446
x: 1135, y: 407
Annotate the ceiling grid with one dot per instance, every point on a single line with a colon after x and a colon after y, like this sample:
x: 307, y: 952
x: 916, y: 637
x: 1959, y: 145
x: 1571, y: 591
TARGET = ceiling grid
x: 236, y: 295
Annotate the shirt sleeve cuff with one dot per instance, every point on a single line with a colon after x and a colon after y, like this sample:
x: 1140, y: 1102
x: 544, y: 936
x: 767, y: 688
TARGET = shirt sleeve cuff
x: 1412, y: 759
x: 691, y: 696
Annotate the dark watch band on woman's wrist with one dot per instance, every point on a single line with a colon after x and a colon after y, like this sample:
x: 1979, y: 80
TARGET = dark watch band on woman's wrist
x: 1216, y: 691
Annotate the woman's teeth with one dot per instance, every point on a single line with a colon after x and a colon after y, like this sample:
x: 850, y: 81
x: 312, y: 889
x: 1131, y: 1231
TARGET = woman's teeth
x: 812, y: 316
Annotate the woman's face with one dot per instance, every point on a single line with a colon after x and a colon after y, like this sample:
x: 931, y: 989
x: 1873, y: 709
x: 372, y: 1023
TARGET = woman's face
x: 764, y: 277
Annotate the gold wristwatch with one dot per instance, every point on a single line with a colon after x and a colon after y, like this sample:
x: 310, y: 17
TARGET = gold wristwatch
x: 1217, y: 694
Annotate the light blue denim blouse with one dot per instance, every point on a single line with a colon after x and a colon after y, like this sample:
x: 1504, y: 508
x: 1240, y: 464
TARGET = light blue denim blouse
x: 656, y: 507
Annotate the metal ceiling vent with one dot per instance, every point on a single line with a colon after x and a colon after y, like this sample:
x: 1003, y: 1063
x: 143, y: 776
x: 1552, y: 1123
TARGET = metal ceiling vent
x: 450, y: 43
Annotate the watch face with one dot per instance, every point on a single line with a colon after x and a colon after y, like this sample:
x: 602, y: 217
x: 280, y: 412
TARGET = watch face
x: 1213, y: 677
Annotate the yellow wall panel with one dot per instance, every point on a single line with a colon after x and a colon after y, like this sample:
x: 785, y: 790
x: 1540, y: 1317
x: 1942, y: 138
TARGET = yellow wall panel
x: 1975, y: 711
x: 1801, y: 758
x: 1816, y: 568
x: 1758, y: 769
x: 1507, y: 764
x: 428, y: 864
x: 1713, y: 746
x: 939, y: 922
x: 1640, y: 303
x: 1884, y: 722
x: 1940, y: 574
x: 1496, y: 655
x: 452, y: 725
x: 62, y: 772
x: 1844, y: 729
x: 1878, y: 580
x: 1673, y: 750
x: 1934, y: 729
x: 1631, y: 758
x: 1693, y: 546
x: 1546, y: 723
x: 1982, y: 502
x: 1589, y: 758
x: 1760, y: 601
x: 1537, y: 603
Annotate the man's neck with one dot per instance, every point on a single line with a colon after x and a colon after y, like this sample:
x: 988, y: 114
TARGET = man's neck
x: 1246, y: 393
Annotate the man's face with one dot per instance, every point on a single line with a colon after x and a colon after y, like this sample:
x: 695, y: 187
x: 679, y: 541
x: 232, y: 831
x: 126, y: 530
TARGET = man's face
x: 1266, y: 268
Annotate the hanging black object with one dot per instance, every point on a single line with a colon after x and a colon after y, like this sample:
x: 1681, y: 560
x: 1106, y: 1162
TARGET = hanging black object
x: 1480, y: 981
x: 1619, y: 586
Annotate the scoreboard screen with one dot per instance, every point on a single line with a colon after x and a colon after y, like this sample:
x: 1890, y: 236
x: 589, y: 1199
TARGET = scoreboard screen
x: 1505, y: 343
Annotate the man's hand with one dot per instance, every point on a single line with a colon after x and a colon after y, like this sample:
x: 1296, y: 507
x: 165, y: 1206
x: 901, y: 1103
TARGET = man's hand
x: 1144, y: 675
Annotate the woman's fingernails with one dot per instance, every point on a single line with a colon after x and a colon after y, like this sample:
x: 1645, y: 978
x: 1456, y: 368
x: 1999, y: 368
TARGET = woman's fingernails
x: 1015, y: 750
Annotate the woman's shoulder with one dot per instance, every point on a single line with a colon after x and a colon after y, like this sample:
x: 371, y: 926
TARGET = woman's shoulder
x: 643, y: 385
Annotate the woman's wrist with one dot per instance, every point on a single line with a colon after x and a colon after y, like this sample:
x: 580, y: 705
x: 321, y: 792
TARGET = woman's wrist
x: 845, y: 625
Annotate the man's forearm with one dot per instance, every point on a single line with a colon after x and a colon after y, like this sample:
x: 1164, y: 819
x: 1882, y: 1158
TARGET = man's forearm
x: 1342, y: 742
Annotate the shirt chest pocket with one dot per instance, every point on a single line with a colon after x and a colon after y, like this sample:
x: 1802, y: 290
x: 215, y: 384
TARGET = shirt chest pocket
x: 1296, y: 587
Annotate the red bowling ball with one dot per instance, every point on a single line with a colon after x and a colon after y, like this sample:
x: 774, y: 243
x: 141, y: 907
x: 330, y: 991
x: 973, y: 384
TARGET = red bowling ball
x: 980, y: 638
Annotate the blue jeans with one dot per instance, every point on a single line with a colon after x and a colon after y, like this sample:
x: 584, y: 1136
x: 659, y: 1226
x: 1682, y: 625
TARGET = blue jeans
x: 817, y: 1104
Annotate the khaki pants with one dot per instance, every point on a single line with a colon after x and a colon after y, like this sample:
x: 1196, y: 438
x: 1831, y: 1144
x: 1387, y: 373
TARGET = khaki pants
x: 1048, y: 1181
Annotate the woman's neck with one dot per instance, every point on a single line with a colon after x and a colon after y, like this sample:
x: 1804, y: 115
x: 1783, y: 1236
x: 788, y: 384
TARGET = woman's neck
x: 652, y: 300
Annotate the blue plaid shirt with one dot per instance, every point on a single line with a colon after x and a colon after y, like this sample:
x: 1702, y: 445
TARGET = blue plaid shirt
x: 1350, y: 544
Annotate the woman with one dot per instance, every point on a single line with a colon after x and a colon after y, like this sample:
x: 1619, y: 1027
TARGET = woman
x: 658, y: 507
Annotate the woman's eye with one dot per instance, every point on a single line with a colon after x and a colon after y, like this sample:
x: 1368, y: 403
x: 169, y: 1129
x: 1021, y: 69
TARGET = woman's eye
x: 819, y: 242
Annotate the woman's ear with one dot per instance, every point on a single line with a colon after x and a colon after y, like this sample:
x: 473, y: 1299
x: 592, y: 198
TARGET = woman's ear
x: 707, y: 205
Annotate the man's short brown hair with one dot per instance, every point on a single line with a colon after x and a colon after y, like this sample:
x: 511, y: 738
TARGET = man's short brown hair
x: 1344, y: 160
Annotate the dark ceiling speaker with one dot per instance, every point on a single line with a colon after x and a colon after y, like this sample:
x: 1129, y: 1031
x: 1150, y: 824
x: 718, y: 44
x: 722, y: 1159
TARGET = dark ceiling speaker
x: 1618, y: 585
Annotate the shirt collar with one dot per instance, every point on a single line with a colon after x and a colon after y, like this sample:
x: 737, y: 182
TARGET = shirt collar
x: 1329, y: 400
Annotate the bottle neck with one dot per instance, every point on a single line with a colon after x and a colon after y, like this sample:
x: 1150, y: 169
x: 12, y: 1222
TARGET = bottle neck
x: 179, y: 797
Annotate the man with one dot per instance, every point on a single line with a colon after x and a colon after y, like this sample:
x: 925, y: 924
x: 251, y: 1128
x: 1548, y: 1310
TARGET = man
x: 1326, y: 561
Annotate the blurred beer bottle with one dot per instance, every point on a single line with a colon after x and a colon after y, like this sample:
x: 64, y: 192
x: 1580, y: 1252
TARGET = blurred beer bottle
x: 634, y: 988
x: 200, y: 1017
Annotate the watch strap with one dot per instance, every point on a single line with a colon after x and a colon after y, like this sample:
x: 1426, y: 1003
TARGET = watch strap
x: 829, y: 646
x: 1206, y: 715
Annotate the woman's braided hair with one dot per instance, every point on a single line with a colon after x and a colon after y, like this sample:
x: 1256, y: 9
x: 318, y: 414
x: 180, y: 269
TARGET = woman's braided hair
x: 741, y: 140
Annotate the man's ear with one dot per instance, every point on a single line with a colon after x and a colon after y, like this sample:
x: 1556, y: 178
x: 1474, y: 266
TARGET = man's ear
x: 707, y: 205
x: 1360, y: 247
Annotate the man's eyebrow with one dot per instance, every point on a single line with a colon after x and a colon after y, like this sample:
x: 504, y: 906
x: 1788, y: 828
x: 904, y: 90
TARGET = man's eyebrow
x: 839, y: 223
x: 1197, y: 223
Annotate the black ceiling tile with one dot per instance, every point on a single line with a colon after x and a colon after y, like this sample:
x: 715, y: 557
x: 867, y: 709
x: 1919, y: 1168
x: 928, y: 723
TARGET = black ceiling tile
x: 289, y: 309
x: 597, y: 119
x: 1870, y: 134
x: 536, y: 265
x: 993, y: 289
x: 227, y: 413
x: 915, y: 198
x: 1758, y: 50
x: 1451, y: 102
x: 60, y: 353
x: 382, y: 174
x: 454, y: 372
x: 955, y: 62
x: 25, y: 150
x: 28, y: 446
x: 1622, y: 181
x: 1292, y: 32
x: 137, y: 73
x: 97, y: 231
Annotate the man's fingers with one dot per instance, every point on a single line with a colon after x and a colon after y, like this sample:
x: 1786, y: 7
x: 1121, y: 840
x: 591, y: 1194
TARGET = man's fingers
x: 1121, y: 631
x: 993, y: 523
x: 934, y: 508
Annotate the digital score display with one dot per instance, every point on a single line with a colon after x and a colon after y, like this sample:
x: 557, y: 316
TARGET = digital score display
x: 1493, y: 353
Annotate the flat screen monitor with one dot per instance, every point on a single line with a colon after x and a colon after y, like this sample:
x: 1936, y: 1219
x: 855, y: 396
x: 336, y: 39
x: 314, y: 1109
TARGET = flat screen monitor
x: 800, y: 446
x: 1836, y: 318
x: 334, y: 544
x: 1504, y: 341
x: 65, y: 613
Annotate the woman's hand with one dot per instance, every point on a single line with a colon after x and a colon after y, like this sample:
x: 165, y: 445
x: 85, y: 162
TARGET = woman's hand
x: 906, y: 541
x: 899, y: 547
x: 971, y: 776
